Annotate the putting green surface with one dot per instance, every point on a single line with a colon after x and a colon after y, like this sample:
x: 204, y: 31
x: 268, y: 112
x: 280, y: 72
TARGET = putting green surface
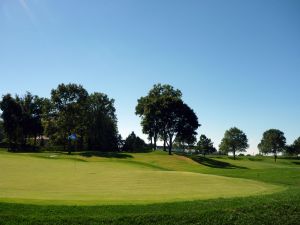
x: 60, y: 179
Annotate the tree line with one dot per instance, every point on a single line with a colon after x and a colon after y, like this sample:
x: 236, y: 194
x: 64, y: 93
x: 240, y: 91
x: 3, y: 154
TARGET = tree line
x: 71, y: 118
x: 76, y: 120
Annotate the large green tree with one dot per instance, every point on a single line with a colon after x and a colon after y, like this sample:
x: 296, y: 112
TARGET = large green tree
x: 273, y: 141
x: 165, y: 116
x: 179, y: 122
x: 149, y: 108
x: 69, y: 104
x: 102, y: 130
x: 205, y: 146
x: 31, y: 117
x: 234, y: 141
x: 21, y: 119
x: 12, y: 118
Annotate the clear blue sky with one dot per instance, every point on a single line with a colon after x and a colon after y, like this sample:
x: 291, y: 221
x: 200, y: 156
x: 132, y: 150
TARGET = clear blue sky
x: 236, y: 62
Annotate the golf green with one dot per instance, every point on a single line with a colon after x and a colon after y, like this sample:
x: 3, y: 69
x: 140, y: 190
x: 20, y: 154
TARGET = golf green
x: 77, y: 180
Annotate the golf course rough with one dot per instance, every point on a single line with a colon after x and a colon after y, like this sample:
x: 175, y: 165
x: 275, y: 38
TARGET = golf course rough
x: 77, y: 180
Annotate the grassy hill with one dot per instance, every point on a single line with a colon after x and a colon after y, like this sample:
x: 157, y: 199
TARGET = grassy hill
x: 121, y: 188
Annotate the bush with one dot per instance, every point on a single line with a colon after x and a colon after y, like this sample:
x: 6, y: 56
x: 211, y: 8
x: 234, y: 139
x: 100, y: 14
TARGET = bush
x: 135, y: 144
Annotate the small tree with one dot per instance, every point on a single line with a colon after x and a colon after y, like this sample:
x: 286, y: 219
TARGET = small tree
x: 296, y: 146
x: 234, y: 141
x: 273, y: 141
x: 134, y: 144
x: 293, y: 149
x: 205, y: 145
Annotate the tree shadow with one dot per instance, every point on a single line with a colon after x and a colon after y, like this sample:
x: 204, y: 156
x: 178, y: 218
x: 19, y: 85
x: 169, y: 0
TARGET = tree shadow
x: 255, y: 159
x: 215, y: 163
x: 296, y: 163
x: 117, y: 155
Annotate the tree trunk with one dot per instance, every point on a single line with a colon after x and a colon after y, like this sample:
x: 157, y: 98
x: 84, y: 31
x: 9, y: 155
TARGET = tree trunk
x: 165, y: 148
x: 34, y: 140
x: 9, y: 145
x: 275, y: 155
x: 170, y: 145
x: 151, y: 143
x: 170, y: 149
x: 234, y: 154
x: 155, y: 141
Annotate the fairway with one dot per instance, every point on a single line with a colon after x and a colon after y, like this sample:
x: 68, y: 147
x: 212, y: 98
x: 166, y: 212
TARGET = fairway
x: 77, y: 180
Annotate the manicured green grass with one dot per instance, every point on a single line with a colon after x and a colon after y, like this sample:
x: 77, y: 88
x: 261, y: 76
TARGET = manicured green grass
x: 79, y: 180
x: 139, y: 179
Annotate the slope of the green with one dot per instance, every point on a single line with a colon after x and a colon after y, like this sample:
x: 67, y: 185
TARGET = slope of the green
x: 49, y: 178
x: 279, y: 208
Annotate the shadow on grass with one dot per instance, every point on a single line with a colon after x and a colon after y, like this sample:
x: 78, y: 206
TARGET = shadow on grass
x: 215, y: 163
x: 255, y: 159
x: 117, y: 155
x: 296, y: 163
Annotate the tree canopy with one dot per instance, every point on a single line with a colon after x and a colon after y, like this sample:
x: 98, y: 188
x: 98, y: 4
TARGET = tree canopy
x: 205, y: 146
x: 273, y: 141
x: 134, y: 144
x: 296, y: 146
x: 164, y: 115
x: 234, y: 141
x: 21, y: 119
x: 69, y: 111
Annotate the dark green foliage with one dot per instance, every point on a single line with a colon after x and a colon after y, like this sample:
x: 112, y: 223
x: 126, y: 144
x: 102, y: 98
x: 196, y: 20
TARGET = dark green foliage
x: 134, y: 144
x: 273, y: 141
x: 294, y: 149
x: 21, y: 120
x: 31, y: 117
x: 71, y: 110
x: 165, y: 116
x: 149, y: 108
x: 69, y: 102
x: 205, y: 146
x: 2, y: 132
x: 102, y: 128
x: 91, y: 117
x: 12, y: 117
x: 234, y: 141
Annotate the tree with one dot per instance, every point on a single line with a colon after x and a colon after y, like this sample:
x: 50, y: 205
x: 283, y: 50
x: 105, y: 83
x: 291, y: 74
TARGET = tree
x: 187, y: 126
x: 290, y: 150
x: 31, y: 117
x: 205, y: 145
x: 134, y: 144
x: 234, y: 141
x: 273, y: 141
x: 2, y: 132
x: 296, y: 146
x: 69, y: 103
x: 12, y: 117
x: 102, y: 130
x: 166, y: 116
x: 149, y: 109
x: 293, y: 149
x: 179, y: 121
